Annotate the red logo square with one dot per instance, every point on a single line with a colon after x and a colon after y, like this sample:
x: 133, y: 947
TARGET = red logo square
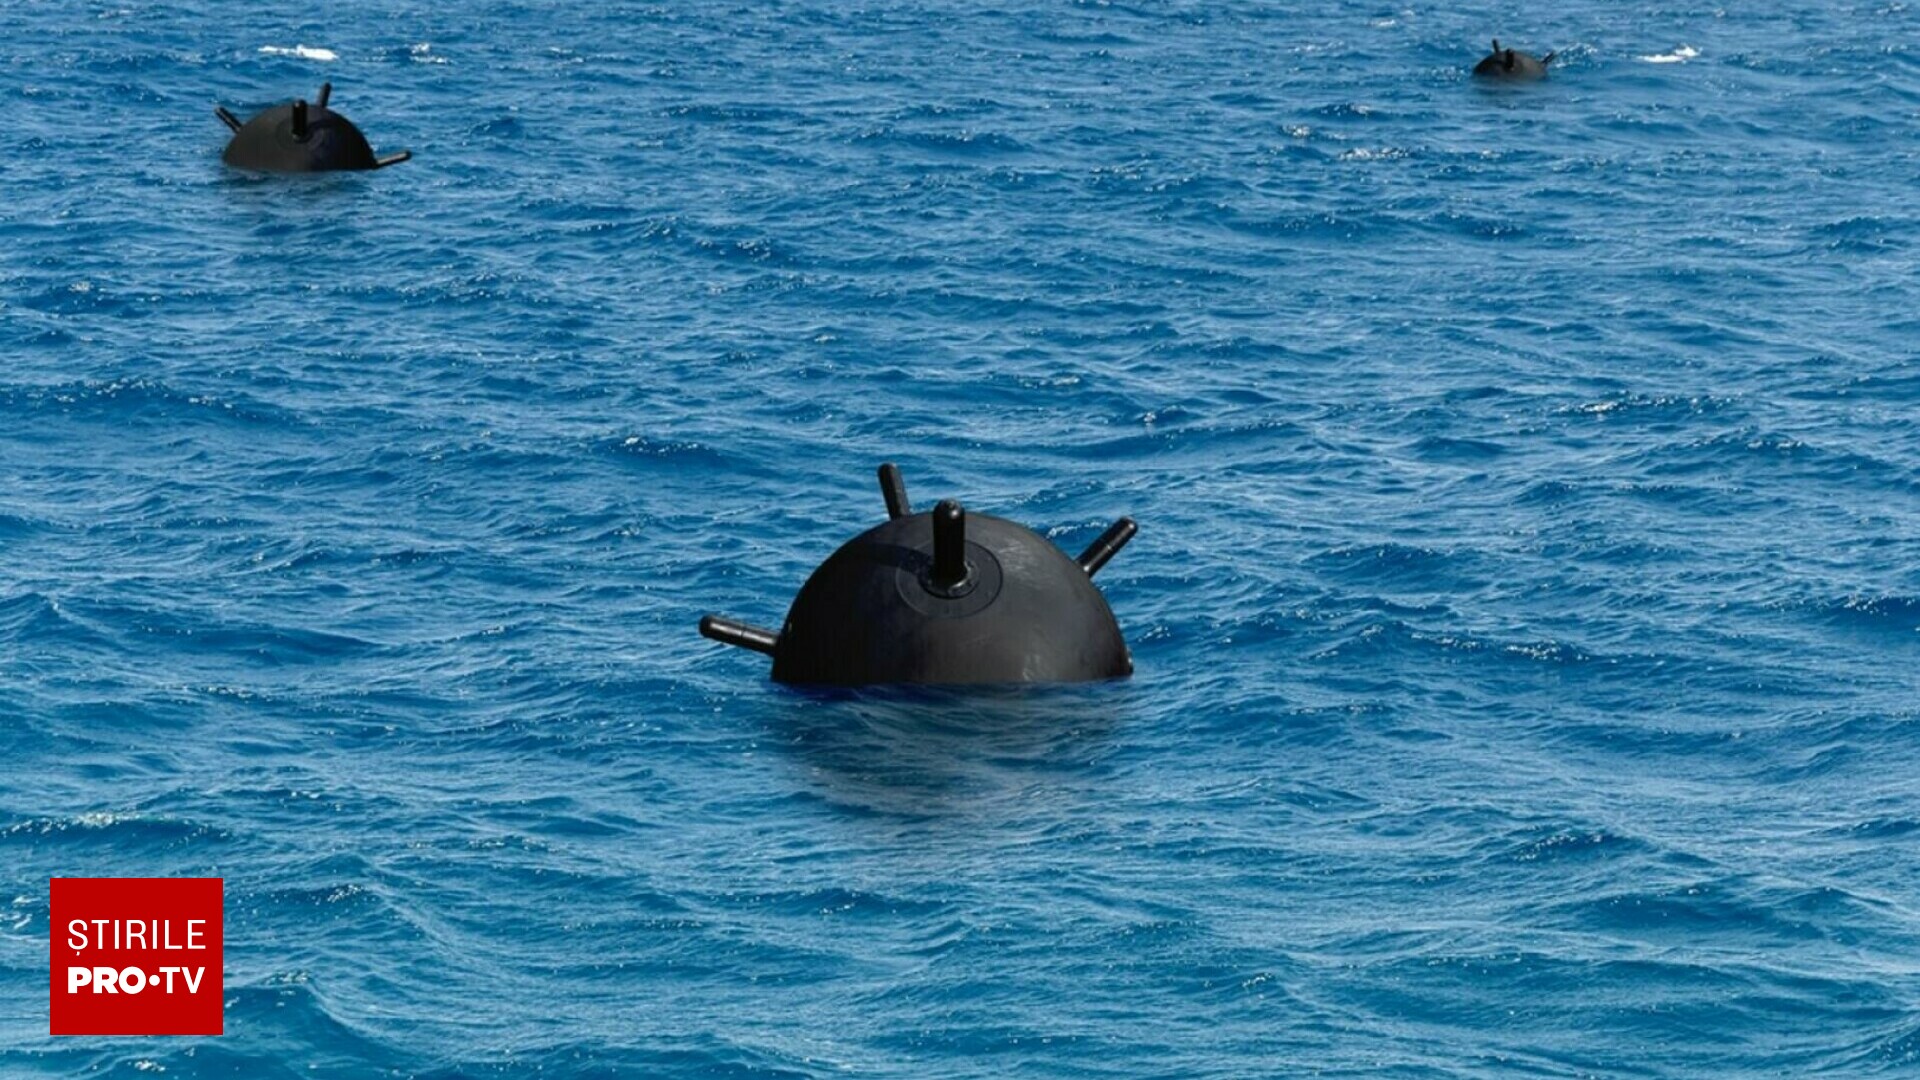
x: 136, y: 956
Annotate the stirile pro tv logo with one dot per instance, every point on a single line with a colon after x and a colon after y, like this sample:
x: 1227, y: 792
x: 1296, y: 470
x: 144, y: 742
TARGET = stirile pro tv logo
x: 135, y: 956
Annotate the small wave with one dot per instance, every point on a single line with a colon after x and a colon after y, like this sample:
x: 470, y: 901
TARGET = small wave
x: 678, y: 1055
x: 1661, y: 405
x: 284, y: 1009
x: 15, y: 526
x: 32, y: 619
x: 838, y: 901
x: 271, y: 645
x: 1384, y: 153
x: 1095, y: 39
x: 1678, y: 56
x: 1347, y: 109
x: 1732, y: 908
x: 324, y: 896
x: 967, y: 141
x: 728, y: 113
x: 1388, y: 637
x: 1889, y: 1052
x: 640, y: 446
x: 1564, y: 843
x: 1876, y: 829
x: 144, y: 399
x: 498, y: 127
x: 1443, y: 448
x: 30, y: 611
x: 1876, y: 612
x: 304, y: 52
x: 1373, y: 562
x: 1864, y: 232
x: 122, y: 830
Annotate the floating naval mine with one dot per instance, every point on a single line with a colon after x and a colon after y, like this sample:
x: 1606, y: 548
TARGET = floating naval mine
x: 946, y: 598
x: 1512, y: 64
x: 301, y: 138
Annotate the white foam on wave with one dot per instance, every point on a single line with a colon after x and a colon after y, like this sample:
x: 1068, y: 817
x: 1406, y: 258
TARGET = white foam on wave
x: 301, y: 51
x: 423, y: 54
x: 1678, y: 56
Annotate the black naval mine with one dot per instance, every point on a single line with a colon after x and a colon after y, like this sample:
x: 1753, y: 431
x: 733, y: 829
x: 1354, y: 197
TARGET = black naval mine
x: 1512, y: 64
x: 945, y: 598
x: 301, y: 137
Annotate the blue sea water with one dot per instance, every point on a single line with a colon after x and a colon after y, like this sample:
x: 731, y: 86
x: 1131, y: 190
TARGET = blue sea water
x: 1526, y: 606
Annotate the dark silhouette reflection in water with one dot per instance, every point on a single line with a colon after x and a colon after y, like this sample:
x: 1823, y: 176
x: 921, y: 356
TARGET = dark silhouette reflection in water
x: 914, y: 753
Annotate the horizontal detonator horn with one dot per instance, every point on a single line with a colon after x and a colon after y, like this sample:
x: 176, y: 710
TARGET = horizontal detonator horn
x: 728, y: 632
x: 1107, y: 546
x: 227, y: 118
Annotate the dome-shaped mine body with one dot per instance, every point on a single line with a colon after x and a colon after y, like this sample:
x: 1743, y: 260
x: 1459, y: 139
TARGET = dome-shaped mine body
x: 946, y: 598
x: 1512, y: 65
x: 300, y: 137
x: 1025, y: 612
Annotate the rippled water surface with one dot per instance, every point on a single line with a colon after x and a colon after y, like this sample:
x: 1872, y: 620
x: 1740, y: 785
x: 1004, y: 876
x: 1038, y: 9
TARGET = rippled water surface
x: 1526, y: 605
